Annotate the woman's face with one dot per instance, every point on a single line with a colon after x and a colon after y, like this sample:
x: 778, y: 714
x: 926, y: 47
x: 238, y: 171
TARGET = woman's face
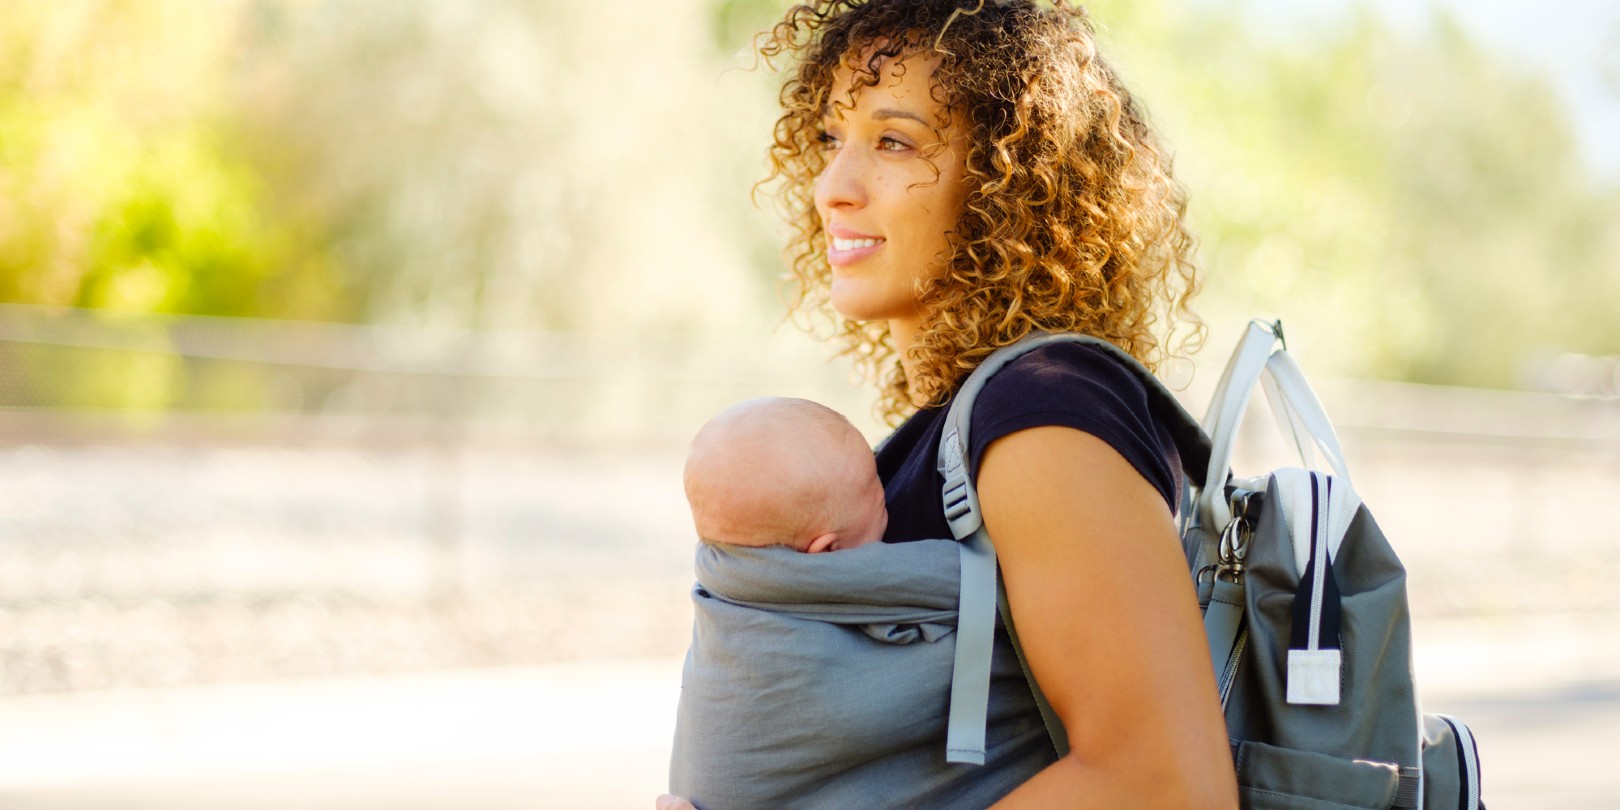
x: 890, y: 193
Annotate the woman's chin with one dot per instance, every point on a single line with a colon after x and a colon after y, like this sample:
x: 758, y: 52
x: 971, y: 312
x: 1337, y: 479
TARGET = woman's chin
x: 857, y: 314
x: 848, y: 301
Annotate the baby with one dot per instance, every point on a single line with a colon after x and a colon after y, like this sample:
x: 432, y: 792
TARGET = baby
x: 780, y: 471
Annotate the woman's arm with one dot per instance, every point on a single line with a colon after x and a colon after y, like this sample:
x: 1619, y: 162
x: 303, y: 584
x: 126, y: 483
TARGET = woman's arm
x: 1102, y: 600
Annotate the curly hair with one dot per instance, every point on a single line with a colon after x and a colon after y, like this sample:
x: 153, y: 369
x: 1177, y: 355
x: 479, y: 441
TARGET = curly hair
x: 1073, y: 220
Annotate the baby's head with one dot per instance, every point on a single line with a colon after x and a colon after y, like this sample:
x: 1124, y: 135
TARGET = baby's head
x: 779, y: 471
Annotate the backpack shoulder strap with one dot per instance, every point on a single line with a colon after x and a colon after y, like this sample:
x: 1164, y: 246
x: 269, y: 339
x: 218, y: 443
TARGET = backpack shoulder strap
x: 981, y: 592
x: 961, y: 500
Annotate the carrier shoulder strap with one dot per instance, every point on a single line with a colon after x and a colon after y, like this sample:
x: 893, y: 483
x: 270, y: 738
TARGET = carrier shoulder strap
x: 981, y: 591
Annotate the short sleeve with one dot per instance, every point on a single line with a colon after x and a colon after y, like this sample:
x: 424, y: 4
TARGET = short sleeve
x: 1078, y: 386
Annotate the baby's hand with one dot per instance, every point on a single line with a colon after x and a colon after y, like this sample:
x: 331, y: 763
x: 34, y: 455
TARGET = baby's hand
x: 668, y: 802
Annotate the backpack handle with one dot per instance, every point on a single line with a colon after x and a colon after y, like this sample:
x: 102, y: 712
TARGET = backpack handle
x: 1303, y: 411
x: 1299, y: 413
x: 1226, y: 408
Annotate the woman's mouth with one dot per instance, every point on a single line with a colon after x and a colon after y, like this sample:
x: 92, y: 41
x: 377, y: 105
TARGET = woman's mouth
x: 844, y: 251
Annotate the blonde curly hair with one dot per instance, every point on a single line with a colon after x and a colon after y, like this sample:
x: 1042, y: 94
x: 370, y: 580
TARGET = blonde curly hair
x: 1073, y: 220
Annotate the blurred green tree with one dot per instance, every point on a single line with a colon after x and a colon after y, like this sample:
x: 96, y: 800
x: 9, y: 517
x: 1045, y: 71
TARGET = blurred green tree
x: 120, y: 187
x: 1416, y: 201
x: 509, y: 164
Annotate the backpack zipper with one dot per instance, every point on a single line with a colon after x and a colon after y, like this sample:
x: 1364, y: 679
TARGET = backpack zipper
x: 1229, y: 674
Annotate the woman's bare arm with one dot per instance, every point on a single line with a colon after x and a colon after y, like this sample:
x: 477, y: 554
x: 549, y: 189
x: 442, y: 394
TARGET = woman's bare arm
x: 1102, y: 600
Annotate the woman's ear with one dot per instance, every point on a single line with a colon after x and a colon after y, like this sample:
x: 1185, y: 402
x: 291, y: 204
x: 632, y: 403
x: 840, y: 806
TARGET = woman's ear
x: 826, y: 542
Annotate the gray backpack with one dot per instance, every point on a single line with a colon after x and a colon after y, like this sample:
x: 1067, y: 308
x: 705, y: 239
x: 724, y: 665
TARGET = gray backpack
x: 1305, y: 602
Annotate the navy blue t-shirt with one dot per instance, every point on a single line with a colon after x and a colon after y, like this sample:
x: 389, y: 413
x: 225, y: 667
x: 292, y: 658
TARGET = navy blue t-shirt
x: 1066, y: 384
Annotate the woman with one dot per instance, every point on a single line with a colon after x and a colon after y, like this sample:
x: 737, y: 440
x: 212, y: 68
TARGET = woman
x: 960, y: 175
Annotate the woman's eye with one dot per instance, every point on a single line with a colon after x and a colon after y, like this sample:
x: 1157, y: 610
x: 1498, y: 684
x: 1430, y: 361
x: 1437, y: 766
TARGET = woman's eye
x: 829, y: 141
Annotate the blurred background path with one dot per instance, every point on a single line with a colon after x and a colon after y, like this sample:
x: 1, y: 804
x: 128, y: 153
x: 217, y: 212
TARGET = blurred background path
x: 1542, y: 695
x: 332, y: 685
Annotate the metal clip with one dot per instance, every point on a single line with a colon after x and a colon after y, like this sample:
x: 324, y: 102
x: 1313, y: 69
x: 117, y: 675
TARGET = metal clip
x: 1235, y: 540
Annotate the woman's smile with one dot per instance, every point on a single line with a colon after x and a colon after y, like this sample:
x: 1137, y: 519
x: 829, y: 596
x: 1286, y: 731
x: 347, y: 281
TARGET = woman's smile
x: 845, y: 247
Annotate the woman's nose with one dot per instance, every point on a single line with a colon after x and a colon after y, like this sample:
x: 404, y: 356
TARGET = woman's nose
x: 841, y: 183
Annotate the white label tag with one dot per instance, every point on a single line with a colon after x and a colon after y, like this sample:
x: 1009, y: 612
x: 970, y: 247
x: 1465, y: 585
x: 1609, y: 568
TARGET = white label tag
x: 1313, y: 677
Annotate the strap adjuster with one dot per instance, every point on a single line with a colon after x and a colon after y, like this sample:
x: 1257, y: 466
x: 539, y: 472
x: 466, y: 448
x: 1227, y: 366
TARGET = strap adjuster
x: 961, y: 502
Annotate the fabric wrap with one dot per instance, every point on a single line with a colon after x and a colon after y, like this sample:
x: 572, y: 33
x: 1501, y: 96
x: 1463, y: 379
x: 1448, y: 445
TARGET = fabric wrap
x: 823, y: 680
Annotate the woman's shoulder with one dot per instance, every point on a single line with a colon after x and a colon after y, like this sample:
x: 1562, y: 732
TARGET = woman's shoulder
x: 1082, y: 387
x: 1062, y: 377
x: 1084, y: 359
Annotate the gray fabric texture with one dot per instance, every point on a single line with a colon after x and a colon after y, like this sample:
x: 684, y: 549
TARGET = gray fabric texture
x: 1369, y: 747
x: 1376, y: 718
x: 1367, y: 751
x: 823, y: 680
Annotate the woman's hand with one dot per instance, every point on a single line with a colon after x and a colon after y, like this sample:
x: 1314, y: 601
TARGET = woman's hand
x: 1108, y: 619
x: 669, y: 802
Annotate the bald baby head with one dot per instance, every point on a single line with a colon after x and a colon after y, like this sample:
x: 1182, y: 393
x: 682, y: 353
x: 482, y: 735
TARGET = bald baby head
x: 782, y: 471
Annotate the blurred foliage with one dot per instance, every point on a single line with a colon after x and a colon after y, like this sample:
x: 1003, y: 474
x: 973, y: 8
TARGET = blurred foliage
x: 120, y: 187
x: 507, y: 163
x: 1414, y: 202
x: 500, y: 164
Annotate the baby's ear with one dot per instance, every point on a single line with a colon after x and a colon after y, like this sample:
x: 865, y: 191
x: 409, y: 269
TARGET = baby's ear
x: 826, y: 542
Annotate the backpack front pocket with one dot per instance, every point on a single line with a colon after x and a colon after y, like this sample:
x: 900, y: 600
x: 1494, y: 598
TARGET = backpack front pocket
x: 1273, y: 778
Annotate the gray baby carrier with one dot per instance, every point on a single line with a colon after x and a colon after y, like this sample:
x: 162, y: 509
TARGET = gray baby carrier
x: 822, y: 681
x: 887, y: 676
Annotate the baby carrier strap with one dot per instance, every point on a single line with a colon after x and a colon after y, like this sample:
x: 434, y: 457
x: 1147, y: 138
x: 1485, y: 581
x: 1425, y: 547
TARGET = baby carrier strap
x: 981, y: 592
